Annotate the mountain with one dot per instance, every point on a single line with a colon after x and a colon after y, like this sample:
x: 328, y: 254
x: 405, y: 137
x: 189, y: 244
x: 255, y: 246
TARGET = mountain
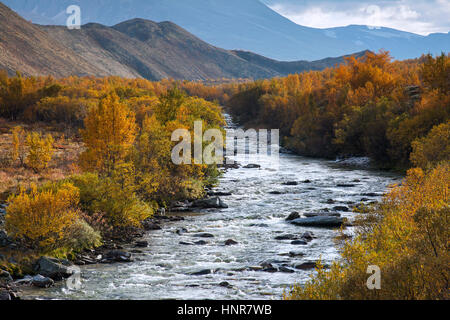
x: 134, y: 48
x: 247, y: 25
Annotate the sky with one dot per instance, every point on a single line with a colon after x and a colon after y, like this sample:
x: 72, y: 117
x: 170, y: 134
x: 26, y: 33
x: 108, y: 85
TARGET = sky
x: 417, y: 16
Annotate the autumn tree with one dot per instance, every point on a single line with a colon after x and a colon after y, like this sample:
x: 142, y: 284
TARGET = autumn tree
x: 40, y: 151
x: 109, y: 134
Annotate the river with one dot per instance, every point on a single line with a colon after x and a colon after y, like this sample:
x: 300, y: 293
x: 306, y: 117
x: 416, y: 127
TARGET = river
x: 254, y: 218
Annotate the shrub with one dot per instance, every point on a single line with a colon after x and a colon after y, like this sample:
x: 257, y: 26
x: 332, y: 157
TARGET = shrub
x: 41, y: 218
x: 80, y: 235
x: 115, y: 196
x: 18, y: 145
x: 433, y: 148
x: 40, y: 151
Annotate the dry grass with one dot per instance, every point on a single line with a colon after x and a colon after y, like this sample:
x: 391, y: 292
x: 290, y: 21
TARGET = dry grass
x: 63, y: 163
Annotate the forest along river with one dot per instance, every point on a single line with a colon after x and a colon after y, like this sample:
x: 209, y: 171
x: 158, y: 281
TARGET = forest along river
x: 254, y: 218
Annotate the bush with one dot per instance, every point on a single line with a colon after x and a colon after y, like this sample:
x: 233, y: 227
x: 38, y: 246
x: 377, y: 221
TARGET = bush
x: 406, y: 236
x: 81, y: 236
x: 115, y: 196
x: 40, y: 151
x: 41, y: 218
x: 433, y: 148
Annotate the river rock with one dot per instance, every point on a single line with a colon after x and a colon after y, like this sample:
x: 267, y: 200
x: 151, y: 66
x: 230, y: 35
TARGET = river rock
x: 341, y: 208
x: 287, y: 237
x: 117, y: 256
x: 52, y: 268
x: 184, y: 243
x: 225, y: 284
x: 294, y: 254
x: 292, y: 216
x: 203, y: 235
x: 345, y: 185
x: 230, y: 242
x: 319, y: 221
x: 141, y: 244
x: 201, y: 272
x: 308, y: 236
x: 4, y: 239
x: 286, y: 270
x: 201, y: 242
x: 148, y: 225
x: 252, y: 166
x: 330, y: 201
x: 307, y: 181
x: 299, y: 242
x: 181, y: 231
x: 322, y: 214
x: 306, y: 265
x: 290, y: 183
x: 219, y: 194
x: 4, y: 295
x: 214, y: 202
x: 42, y: 282
x: 5, y: 277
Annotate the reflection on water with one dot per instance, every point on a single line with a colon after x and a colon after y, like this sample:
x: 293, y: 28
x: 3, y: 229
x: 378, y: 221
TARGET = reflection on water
x: 254, y: 218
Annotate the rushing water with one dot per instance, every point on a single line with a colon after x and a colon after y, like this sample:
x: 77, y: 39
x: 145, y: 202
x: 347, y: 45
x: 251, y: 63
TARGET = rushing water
x: 254, y: 218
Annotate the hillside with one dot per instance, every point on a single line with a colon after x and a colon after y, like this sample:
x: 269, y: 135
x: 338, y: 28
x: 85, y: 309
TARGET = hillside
x: 135, y: 48
x: 247, y: 25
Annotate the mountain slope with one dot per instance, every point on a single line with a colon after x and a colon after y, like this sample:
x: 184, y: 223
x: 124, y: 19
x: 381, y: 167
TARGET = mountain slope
x: 25, y: 47
x: 242, y: 25
x: 135, y: 48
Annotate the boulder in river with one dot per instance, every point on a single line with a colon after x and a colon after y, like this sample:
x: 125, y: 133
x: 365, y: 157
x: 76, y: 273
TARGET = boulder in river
x: 230, y: 242
x: 141, y: 244
x: 286, y: 270
x: 322, y: 214
x: 252, y: 166
x: 117, y: 256
x: 287, y: 237
x: 341, y: 208
x: 203, y: 235
x: 306, y: 265
x: 290, y: 183
x: 5, y: 277
x: 201, y: 242
x: 299, y: 242
x: 201, y: 272
x: 214, y: 202
x: 294, y: 215
x: 42, y: 282
x: 319, y: 222
x: 52, y: 268
x: 148, y: 225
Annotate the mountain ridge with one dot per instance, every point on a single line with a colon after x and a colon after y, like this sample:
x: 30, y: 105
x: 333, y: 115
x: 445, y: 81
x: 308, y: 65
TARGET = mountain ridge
x: 134, y: 48
x: 247, y: 25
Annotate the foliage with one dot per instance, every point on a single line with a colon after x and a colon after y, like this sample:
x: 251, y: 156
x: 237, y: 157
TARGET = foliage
x: 406, y: 236
x: 108, y: 135
x: 115, y: 196
x: 18, y: 145
x: 41, y: 218
x: 40, y: 151
x: 433, y: 148
x: 370, y: 106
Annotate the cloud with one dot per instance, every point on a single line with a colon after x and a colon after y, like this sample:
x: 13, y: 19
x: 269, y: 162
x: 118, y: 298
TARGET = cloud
x: 417, y: 16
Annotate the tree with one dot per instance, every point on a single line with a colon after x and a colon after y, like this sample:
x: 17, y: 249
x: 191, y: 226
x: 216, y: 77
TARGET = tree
x: 109, y: 134
x: 40, y: 151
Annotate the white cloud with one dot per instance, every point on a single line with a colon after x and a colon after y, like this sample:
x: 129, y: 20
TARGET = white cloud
x: 417, y: 16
